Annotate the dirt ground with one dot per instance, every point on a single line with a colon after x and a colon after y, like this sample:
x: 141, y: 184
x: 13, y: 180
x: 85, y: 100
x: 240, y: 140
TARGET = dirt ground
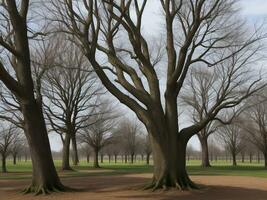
x: 124, y: 188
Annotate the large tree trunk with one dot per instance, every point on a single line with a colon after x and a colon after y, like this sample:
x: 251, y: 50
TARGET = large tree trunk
x: 4, y: 170
x: 44, y: 175
x: 96, y: 164
x: 170, y: 163
x: 66, y: 153
x: 205, y: 152
x: 75, y: 150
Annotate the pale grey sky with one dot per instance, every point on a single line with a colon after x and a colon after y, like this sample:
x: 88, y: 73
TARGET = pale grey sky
x: 253, y: 10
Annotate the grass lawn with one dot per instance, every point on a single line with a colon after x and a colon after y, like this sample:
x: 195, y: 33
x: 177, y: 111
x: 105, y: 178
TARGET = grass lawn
x: 222, y: 168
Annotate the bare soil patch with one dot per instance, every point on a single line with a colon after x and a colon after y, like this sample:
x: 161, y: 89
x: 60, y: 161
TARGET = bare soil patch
x: 121, y: 188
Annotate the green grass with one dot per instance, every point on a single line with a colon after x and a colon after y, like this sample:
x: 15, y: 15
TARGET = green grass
x: 222, y: 168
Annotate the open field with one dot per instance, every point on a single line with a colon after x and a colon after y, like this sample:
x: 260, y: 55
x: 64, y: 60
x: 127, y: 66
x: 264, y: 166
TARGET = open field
x: 123, y: 181
x: 221, y: 168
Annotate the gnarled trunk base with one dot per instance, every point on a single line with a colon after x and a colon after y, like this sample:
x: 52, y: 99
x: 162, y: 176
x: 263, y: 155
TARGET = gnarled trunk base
x: 45, y: 189
x: 170, y: 166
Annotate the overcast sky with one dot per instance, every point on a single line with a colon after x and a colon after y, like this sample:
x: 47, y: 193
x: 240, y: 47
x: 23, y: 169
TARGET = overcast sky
x: 254, y: 10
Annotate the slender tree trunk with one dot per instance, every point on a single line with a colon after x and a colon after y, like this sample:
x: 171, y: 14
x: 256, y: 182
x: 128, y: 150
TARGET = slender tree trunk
x: 4, y: 170
x: 205, y: 152
x: 115, y: 158
x: 142, y: 157
x: 258, y: 157
x: 14, y: 159
x: 75, y: 150
x: 147, y: 158
x: 44, y: 175
x: 132, y: 158
x: 250, y: 157
x: 88, y: 158
x: 125, y: 158
x: 109, y: 158
x: 66, y: 153
x: 234, y: 159
x: 96, y: 164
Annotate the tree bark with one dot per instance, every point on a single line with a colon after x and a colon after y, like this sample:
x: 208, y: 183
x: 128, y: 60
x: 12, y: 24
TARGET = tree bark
x: 96, y: 164
x: 75, y: 150
x: 44, y: 175
x: 66, y: 153
x: 4, y: 170
x: 170, y: 163
x: 205, y: 152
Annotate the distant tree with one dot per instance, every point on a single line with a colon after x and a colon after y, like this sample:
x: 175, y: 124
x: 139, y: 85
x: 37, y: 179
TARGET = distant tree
x: 70, y: 92
x: 255, y: 123
x: 7, y: 137
x: 147, y: 148
x: 189, y: 152
x: 17, y: 146
x: 86, y: 150
x: 129, y: 131
x: 97, y: 132
x: 232, y: 136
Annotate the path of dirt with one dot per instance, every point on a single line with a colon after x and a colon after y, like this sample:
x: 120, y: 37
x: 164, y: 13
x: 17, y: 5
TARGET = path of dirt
x: 118, y: 188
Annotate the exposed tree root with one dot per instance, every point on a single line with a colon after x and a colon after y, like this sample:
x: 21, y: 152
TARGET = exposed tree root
x: 44, y: 190
x: 182, y: 184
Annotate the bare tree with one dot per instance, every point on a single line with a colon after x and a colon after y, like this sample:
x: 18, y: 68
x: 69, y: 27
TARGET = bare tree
x: 148, y: 149
x: 255, y: 123
x: 98, y: 130
x: 232, y: 137
x: 70, y: 93
x: 196, y: 33
x: 210, y: 87
x: 16, y: 75
x: 7, y: 136
x: 129, y: 132
x: 86, y: 150
x: 17, y: 146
